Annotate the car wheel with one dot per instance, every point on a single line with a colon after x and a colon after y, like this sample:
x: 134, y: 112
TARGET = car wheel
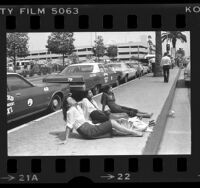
x: 96, y: 90
x: 126, y: 79
x: 56, y: 103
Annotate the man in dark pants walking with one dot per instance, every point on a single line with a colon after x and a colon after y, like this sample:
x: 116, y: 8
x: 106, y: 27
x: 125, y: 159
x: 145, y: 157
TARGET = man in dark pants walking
x: 166, y: 63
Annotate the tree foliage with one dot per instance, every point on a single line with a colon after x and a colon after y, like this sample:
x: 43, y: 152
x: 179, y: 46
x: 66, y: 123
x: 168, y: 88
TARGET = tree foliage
x: 17, y: 46
x: 112, y: 51
x: 99, y: 48
x: 173, y: 36
x: 74, y: 58
x: 60, y: 43
x: 181, y: 52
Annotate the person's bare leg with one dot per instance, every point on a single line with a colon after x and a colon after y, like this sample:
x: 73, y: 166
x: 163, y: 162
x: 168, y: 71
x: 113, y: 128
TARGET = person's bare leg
x: 118, y: 133
x: 144, y: 115
x: 118, y: 116
x: 122, y: 129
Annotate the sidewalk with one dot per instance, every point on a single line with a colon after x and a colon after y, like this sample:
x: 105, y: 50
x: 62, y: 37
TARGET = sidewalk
x: 177, y: 136
x: 43, y: 137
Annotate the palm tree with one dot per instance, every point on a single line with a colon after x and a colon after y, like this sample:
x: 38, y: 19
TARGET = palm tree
x: 158, y: 69
x: 173, y: 36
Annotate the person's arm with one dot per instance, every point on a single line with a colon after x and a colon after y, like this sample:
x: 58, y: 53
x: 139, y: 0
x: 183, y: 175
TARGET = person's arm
x: 103, y: 107
x: 103, y: 101
x: 69, y: 126
x: 67, y: 133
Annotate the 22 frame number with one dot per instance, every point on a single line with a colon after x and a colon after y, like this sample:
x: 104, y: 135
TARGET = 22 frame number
x: 123, y: 177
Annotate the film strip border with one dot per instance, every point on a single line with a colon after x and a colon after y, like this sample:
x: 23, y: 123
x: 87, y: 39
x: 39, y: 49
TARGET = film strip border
x: 158, y: 165
x: 107, y: 22
x: 103, y: 18
x: 99, y: 169
x: 112, y: 168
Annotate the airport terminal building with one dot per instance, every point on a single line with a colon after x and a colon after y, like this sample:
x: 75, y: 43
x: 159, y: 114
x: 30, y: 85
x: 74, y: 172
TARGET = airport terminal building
x: 126, y: 51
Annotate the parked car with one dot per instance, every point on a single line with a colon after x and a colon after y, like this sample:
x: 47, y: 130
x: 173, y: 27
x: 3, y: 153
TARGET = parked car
x: 25, y: 98
x: 187, y: 74
x: 126, y: 72
x: 146, y: 69
x: 86, y: 76
x: 137, y: 66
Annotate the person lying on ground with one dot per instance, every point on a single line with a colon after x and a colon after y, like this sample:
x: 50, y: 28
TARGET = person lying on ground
x: 74, y: 117
x: 108, y: 98
x: 92, y: 111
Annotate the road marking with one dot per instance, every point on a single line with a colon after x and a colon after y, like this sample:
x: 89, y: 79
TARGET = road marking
x: 39, y: 119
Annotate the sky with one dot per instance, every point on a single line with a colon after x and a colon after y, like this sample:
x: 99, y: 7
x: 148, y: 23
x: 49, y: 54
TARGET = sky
x: 38, y: 41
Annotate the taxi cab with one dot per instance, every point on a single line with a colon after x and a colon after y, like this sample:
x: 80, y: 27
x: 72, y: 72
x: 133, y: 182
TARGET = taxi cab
x: 24, y: 98
x: 86, y: 76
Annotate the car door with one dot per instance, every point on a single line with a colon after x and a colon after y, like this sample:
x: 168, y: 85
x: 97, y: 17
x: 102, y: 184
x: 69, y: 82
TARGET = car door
x: 112, y: 76
x: 16, y: 96
x: 27, y: 97
x: 129, y: 70
x: 103, y: 75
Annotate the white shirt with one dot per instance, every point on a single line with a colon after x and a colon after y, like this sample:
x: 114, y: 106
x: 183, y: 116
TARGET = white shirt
x: 165, y: 61
x: 75, y: 117
x: 88, y: 107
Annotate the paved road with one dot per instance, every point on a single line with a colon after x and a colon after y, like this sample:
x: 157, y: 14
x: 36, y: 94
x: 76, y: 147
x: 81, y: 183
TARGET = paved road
x: 177, y: 136
x: 43, y: 136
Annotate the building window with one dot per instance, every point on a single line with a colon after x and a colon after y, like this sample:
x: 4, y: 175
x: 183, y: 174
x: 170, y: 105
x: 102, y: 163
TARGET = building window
x: 123, y: 46
x: 124, y: 53
x: 82, y: 55
x: 139, y: 52
x: 82, y: 50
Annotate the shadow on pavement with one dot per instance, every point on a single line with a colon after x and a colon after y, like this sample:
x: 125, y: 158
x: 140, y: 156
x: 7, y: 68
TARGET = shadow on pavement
x: 61, y: 135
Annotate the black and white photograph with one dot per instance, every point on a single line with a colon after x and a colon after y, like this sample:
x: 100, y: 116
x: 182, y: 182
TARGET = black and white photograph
x: 98, y: 93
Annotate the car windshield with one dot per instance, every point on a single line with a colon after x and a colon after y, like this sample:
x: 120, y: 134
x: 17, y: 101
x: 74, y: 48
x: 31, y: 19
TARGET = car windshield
x: 115, y: 66
x: 78, y: 69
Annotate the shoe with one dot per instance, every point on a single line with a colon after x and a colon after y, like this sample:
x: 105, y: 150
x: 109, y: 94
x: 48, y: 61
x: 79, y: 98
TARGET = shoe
x: 152, y: 123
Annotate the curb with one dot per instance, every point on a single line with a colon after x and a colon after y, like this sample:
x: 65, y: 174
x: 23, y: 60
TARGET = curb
x: 154, y: 140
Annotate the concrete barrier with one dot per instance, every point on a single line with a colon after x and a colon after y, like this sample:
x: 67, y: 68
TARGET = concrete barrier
x: 154, y: 140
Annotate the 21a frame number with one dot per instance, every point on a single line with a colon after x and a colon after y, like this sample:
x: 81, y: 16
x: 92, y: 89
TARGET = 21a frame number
x: 28, y: 178
x: 123, y: 177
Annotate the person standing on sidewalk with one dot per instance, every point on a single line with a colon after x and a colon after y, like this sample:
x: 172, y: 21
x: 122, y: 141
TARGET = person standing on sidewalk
x: 166, y: 63
x: 152, y: 61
